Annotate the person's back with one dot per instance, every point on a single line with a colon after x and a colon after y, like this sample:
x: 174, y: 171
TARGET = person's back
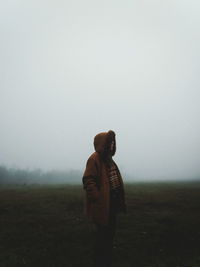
x: 104, y: 195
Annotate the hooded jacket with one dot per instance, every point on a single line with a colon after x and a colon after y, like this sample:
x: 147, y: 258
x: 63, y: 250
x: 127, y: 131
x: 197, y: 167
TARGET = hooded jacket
x: 96, y: 180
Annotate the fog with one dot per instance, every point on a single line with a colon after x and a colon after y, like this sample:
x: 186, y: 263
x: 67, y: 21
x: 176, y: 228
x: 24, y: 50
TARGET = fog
x: 72, y: 69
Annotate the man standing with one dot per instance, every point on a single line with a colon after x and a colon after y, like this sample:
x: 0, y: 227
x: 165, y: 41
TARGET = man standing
x: 104, y: 195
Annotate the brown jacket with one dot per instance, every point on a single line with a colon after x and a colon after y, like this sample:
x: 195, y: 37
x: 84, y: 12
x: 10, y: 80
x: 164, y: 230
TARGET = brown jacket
x: 96, y: 181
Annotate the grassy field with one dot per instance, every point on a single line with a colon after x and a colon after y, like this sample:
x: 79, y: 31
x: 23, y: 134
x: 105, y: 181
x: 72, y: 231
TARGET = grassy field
x: 45, y: 227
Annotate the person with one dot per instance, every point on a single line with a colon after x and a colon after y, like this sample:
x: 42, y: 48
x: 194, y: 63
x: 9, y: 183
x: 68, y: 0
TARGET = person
x: 105, y: 196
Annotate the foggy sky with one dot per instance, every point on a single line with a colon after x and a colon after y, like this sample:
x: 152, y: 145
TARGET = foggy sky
x: 72, y: 69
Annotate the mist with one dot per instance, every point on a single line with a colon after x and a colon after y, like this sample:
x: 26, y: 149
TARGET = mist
x: 72, y: 69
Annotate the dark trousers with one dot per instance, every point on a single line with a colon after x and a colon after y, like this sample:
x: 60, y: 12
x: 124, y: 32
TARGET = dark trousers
x: 103, y: 247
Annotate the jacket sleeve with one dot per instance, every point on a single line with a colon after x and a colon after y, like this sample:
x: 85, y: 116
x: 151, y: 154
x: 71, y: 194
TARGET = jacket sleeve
x: 90, y: 180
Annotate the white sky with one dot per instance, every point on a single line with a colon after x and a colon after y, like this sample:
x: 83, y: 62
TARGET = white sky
x: 72, y: 69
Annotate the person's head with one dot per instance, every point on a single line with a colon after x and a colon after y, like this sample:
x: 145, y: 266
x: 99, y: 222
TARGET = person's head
x: 112, y: 146
x: 105, y: 144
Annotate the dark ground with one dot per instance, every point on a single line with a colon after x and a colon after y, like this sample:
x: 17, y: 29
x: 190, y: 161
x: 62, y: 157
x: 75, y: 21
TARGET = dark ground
x: 45, y: 227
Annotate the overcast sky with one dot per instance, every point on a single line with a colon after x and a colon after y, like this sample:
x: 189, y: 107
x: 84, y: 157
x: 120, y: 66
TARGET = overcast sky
x: 71, y: 69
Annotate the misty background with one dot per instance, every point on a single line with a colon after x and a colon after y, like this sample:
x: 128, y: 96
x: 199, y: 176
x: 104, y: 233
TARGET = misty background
x: 72, y: 69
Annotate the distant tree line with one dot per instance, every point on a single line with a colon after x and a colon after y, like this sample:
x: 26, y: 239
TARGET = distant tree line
x: 23, y: 176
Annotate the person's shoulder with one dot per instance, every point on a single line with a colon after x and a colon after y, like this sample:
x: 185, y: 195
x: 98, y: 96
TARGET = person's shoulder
x: 93, y: 160
x: 115, y: 164
x: 93, y: 157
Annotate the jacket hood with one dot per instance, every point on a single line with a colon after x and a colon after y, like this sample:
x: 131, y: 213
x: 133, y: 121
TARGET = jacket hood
x: 102, y: 143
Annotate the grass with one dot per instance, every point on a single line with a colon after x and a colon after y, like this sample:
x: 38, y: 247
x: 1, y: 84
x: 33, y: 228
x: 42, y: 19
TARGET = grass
x: 44, y: 226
